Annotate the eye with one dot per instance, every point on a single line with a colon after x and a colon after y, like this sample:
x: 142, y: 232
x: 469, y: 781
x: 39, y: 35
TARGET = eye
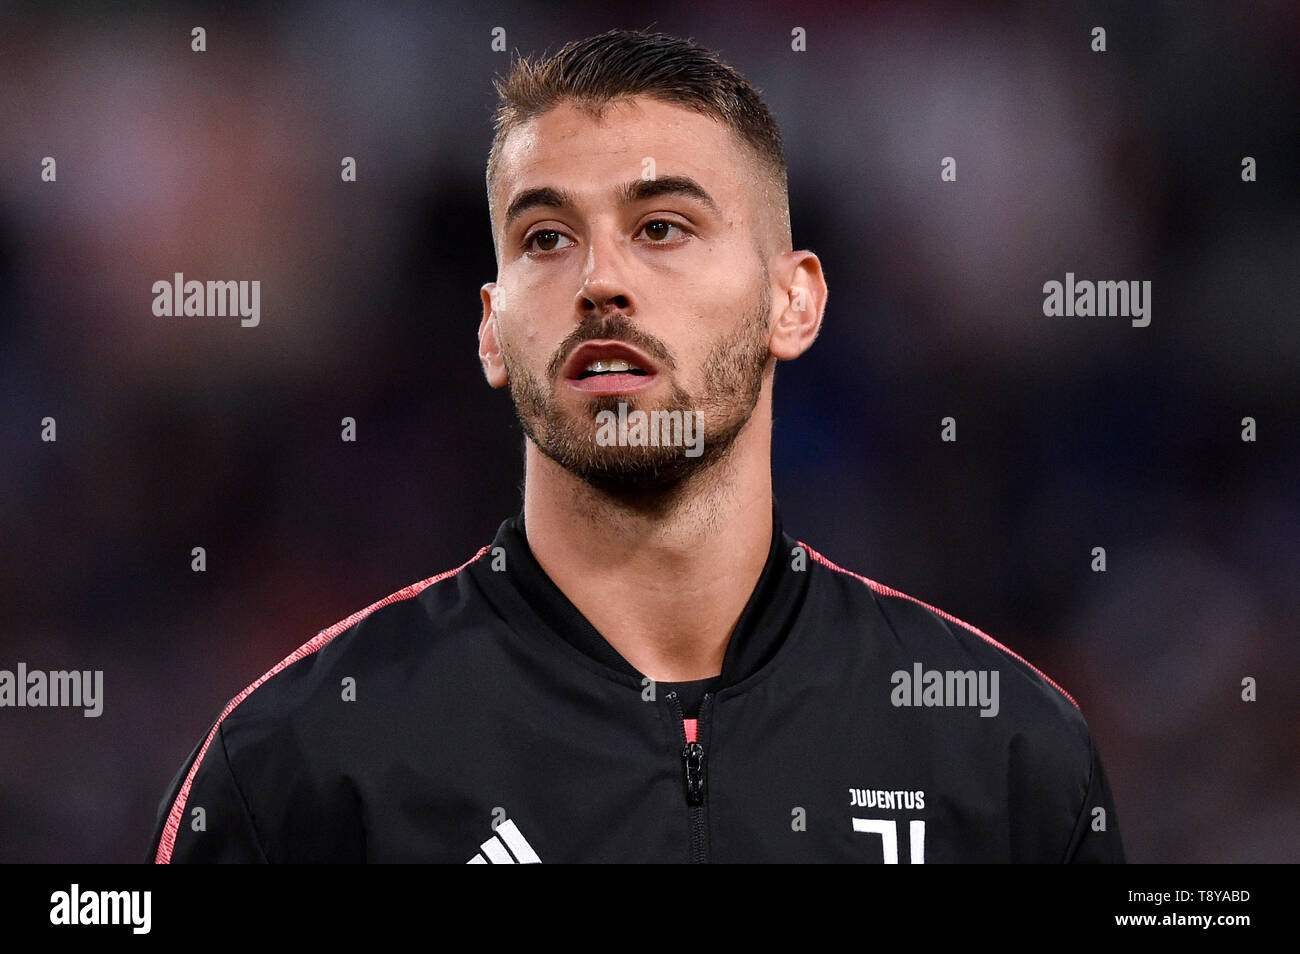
x: 658, y: 230
x: 547, y: 237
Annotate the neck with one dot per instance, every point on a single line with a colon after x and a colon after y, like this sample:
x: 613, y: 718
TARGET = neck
x: 664, y: 578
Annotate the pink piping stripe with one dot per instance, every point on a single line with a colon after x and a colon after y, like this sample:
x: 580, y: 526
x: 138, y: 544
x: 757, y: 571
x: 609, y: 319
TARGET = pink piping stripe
x: 167, y: 843
x: 890, y: 591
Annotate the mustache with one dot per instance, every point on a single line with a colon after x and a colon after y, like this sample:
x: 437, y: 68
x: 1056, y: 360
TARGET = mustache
x: 611, y: 328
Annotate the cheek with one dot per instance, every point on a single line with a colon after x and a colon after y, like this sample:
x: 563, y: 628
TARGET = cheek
x: 539, y: 313
x: 735, y: 328
x: 527, y: 341
x: 697, y: 351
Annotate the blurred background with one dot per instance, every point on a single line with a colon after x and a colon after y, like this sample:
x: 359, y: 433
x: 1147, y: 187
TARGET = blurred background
x: 1072, y: 433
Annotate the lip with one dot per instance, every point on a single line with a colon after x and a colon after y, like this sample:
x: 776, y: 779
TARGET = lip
x: 590, y: 351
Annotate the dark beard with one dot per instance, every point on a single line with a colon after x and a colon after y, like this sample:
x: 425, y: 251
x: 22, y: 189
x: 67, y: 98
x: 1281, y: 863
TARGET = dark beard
x: 733, y: 379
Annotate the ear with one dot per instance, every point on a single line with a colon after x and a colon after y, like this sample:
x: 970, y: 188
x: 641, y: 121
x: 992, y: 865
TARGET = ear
x: 797, y: 324
x: 489, y: 345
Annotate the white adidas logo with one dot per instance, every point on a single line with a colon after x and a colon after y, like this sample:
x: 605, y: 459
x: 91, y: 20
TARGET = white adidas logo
x: 496, y: 852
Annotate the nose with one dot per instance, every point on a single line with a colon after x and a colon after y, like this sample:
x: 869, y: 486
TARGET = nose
x: 604, y: 288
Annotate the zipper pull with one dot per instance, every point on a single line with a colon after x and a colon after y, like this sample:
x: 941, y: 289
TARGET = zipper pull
x: 692, y: 753
x: 693, y: 757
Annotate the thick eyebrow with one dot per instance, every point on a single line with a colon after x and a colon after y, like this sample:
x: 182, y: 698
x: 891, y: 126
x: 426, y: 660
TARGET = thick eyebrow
x: 638, y: 190
x: 533, y: 198
x: 642, y: 189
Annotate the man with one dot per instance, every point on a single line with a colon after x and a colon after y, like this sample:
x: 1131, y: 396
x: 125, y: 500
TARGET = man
x: 642, y: 666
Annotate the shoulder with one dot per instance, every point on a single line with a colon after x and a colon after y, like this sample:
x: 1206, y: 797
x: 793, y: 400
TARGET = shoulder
x: 939, y: 641
x: 1036, y: 731
x: 354, y: 644
x: 284, y: 722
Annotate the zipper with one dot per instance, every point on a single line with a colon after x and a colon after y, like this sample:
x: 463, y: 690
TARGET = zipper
x: 693, y: 775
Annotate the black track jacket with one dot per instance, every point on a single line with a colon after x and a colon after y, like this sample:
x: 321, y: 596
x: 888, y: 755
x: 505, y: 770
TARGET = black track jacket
x: 478, y: 717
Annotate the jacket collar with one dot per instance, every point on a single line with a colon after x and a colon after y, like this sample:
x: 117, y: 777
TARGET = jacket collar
x: 763, y: 626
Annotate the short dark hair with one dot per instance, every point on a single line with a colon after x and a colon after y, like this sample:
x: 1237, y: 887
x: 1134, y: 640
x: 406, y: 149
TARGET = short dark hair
x: 593, y: 72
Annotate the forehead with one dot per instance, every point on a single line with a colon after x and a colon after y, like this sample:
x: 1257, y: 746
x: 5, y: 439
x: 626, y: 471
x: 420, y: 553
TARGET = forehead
x: 566, y: 147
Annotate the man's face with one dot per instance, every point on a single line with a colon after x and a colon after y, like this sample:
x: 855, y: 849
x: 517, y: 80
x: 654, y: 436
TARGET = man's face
x: 633, y: 277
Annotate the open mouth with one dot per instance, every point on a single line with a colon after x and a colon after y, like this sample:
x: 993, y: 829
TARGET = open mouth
x: 606, y: 367
x: 609, y: 366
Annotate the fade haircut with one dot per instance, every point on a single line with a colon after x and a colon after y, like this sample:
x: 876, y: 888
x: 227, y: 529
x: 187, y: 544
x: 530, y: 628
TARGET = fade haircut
x: 594, y: 72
